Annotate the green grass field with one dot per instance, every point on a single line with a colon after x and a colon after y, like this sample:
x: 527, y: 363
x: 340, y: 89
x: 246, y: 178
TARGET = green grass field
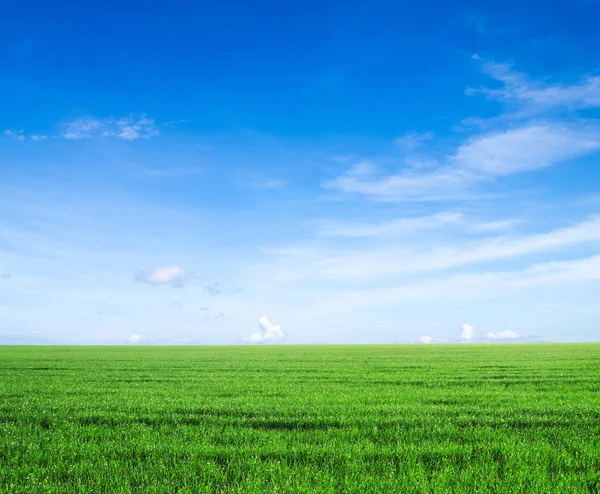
x: 397, y: 418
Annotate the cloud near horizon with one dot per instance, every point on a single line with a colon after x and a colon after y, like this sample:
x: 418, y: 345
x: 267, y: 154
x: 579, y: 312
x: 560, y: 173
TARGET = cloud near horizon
x: 466, y: 333
x: 136, y: 339
x: 502, y: 335
x: 268, y: 332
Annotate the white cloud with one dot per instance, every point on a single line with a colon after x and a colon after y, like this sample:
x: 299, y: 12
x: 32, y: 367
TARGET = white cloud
x: 129, y: 128
x: 479, y: 160
x: 466, y: 333
x: 396, y: 226
x: 533, y: 145
x: 40, y: 137
x: 293, y: 264
x: 495, y: 226
x: 502, y: 335
x: 528, y: 98
x: 136, y: 339
x: 15, y: 134
x: 412, y: 140
x: 403, y: 226
x: 442, y: 183
x: 81, y: 128
x: 426, y: 340
x: 526, y: 148
x: 134, y: 127
x: 268, y: 332
x: 165, y: 275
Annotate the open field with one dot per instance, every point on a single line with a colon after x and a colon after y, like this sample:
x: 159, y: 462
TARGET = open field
x: 455, y: 418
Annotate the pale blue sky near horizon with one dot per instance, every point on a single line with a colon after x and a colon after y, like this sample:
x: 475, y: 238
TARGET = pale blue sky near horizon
x: 315, y: 172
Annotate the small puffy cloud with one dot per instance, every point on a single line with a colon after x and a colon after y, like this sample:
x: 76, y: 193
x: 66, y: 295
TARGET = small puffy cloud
x: 39, y: 137
x: 426, y: 340
x: 136, y: 339
x: 166, y: 275
x: 268, y: 332
x: 502, y: 335
x: 466, y: 333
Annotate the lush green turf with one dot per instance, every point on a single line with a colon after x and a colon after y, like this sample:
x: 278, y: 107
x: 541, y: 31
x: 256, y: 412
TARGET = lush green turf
x: 461, y: 418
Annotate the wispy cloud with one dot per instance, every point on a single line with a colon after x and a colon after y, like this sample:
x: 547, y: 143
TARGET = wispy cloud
x: 166, y: 275
x: 128, y: 128
x: 526, y: 98
x: 526, y: 148
x: 81, y: 128
x: 480, y: 159
x: 403, y: 226
x: 440, y: 184
x: 20, y: 135
x: 378, y: 262
x: 413, y: 140
x: 134, y: 127
x: 15, y: 134
x: 531, y: 133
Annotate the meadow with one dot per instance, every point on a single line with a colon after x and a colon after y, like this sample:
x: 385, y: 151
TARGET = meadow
x: 377, y: 418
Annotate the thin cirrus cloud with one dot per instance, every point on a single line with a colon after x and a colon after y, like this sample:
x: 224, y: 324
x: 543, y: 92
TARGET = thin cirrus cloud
x: 404, y: 226
x: 526, y: 148
x: 505, y: 150
x: 526, y: 97
x: 385, y: 262
x: 480, y: 159
x: 413, y: 140
x: 175, y: 276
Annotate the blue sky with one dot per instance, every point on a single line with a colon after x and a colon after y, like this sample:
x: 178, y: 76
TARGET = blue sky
x: 315, y: 172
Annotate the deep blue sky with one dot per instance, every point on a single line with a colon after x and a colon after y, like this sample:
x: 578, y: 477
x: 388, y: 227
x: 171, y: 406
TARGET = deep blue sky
x: 308, y: 157
x: 291, y: 68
